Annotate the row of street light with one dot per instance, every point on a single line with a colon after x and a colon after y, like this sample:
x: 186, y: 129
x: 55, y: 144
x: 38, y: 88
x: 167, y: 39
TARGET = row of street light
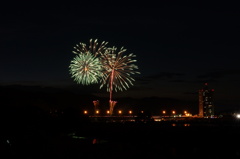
x: 108, y: 112
x: 130, y: 112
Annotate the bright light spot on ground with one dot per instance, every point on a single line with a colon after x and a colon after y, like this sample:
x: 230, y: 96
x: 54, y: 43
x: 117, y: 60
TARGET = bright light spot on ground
x: 238, y: 116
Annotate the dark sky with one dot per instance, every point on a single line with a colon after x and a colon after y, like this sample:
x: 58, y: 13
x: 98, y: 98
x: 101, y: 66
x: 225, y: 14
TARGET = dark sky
x: 179, y: 46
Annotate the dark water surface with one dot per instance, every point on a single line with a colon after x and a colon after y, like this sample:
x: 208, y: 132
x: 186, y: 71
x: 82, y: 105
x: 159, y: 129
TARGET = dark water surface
x: 123, y: 140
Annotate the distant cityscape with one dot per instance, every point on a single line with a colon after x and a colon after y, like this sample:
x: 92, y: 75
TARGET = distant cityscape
x: 206, y: 109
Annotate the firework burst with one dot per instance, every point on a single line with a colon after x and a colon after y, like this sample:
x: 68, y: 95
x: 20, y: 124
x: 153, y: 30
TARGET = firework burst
x: 97, y: 63
x: 93, y: 48
x: 118, y: 69
x: 86, y: 69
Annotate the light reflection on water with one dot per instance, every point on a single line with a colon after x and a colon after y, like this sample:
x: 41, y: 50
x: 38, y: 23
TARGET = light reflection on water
x: 96, y: 140
x: 89, y: 140
x: 167, y: 143
x: 185, y: 124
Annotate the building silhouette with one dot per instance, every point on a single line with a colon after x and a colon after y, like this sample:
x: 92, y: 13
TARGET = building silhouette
x: 206, y: 105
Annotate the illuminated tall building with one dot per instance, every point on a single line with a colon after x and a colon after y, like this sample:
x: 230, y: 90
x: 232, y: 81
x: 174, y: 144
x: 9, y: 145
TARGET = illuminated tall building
x: 206, y: 106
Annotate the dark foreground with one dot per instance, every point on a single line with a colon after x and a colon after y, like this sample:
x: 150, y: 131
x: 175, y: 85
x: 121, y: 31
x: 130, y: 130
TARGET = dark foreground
x: 67, y: 139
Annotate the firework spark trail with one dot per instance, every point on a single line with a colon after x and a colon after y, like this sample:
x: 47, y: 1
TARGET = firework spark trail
x: 94, y: 48
x: 118, y: 70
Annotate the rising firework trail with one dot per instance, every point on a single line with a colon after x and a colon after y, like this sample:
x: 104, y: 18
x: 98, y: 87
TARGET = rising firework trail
x: 118, y: 71
x: 96, y: 105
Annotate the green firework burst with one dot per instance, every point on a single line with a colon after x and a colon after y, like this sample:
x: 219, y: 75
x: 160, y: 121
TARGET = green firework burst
x: 86, y: 69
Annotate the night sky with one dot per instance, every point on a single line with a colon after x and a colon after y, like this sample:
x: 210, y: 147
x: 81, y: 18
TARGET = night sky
x: 178, y: 46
